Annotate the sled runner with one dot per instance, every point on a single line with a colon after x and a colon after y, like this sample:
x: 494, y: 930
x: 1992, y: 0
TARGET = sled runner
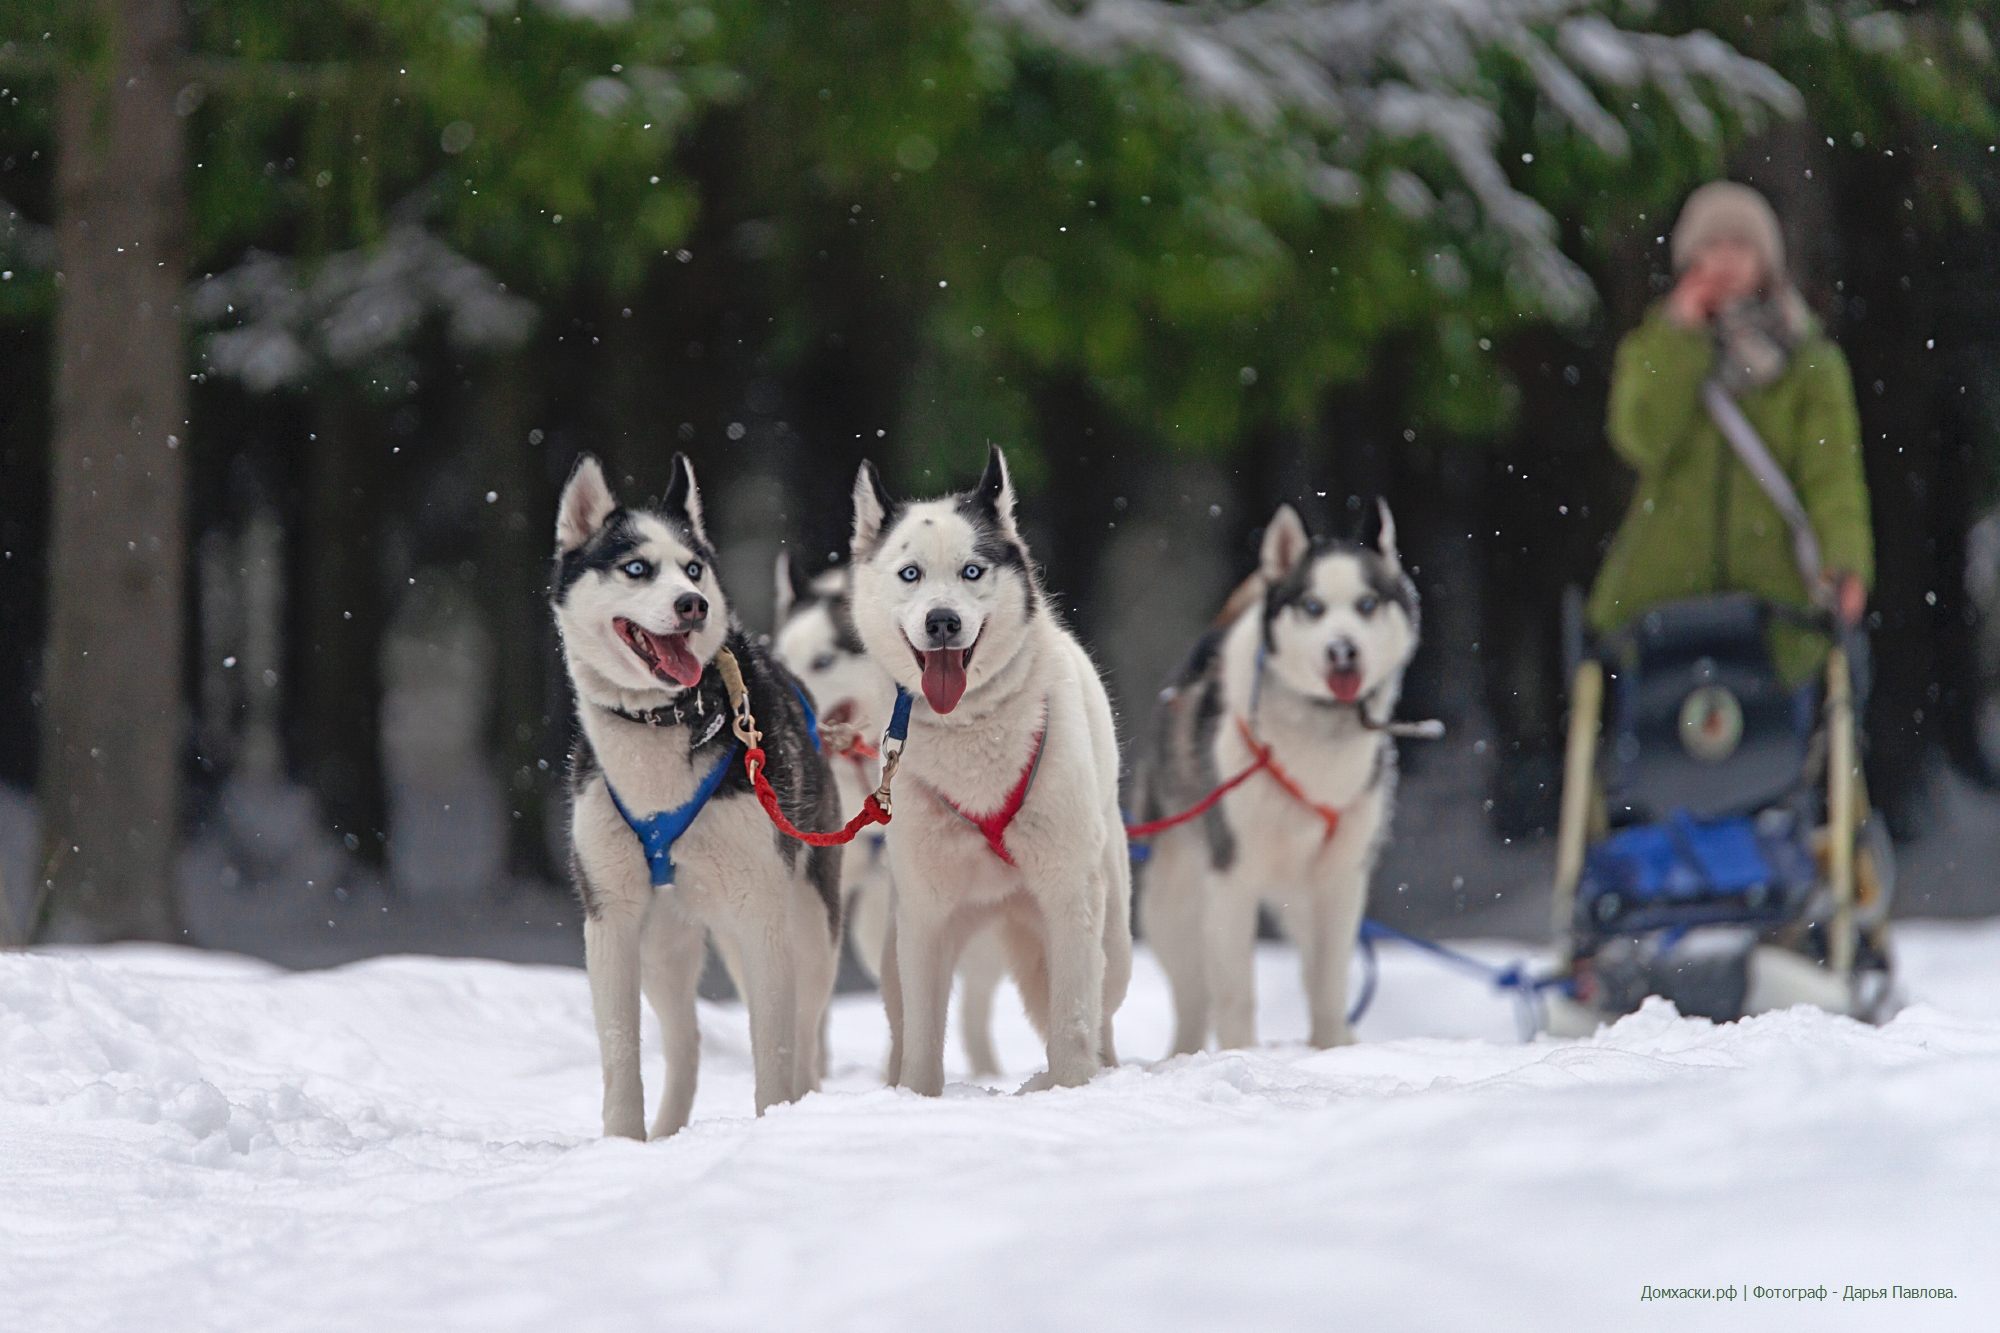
x: 1715, y: 844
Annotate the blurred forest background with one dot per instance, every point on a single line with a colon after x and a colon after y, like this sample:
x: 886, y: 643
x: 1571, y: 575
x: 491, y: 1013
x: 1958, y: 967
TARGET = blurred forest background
x: 306, y: 310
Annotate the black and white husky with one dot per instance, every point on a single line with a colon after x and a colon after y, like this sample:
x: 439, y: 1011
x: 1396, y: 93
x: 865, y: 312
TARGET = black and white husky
x: 666, y: 835
x: 817, y: 642
x: 1312, y: 670
x: 1007, y: 798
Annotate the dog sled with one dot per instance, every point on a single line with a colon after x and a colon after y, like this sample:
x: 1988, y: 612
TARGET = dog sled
x: 1716, y: 844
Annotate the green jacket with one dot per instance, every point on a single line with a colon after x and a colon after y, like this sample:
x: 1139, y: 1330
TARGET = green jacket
x: 1699, y: 522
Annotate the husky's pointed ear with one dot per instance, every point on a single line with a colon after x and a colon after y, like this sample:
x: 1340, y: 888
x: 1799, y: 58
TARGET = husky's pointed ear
x: 683, y: 495
x: 871, y: 510
x: 1385, y: 541
x: 793, y: 586
x: 586, y: 503
x: 995, y: 492
x: 1285, y: 544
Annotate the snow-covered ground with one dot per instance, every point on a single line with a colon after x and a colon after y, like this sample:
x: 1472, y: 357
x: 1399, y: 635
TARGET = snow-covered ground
x: 194, y: 1141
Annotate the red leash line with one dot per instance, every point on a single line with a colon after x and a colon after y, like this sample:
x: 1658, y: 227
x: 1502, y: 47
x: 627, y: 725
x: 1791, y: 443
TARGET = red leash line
x: 871, y: 811
x: 1201, y: 807
x: 1264, y: 763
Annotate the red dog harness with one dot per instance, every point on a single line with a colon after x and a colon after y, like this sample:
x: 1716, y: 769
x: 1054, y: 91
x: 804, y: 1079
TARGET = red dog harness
x: 994, y: 826
x: 1269, y: 763
x: 1262, y: 762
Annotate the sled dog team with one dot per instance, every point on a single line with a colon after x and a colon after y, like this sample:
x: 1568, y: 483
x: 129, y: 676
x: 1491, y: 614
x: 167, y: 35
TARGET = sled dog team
x: 1007, y: 852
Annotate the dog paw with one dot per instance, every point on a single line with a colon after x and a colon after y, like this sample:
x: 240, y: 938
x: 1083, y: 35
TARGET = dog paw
x: 1049, y: 1078
x: 1041, y: 1082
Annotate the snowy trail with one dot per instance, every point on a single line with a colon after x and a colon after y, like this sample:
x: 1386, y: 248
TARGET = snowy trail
x: 193, y: 1141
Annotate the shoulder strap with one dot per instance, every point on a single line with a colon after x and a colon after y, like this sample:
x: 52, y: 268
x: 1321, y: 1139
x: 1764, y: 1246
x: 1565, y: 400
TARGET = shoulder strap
x: 1749, y: 448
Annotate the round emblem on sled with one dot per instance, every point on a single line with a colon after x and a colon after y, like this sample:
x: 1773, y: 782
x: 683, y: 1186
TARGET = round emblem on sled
x: 1711, y: 723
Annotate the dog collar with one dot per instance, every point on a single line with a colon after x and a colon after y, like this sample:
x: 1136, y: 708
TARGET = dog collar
x: 666, y: 715
x: 993, y: 827
x: 658, y: 833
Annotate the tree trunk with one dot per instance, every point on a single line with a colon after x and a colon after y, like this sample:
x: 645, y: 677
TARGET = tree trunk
x: 513, y: 565
x: 342, y: 612
x: 112, y: 724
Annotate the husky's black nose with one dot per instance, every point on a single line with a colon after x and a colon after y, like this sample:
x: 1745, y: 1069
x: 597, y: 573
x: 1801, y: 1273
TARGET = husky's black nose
x: 1342, y: 655
x: 691, y: 607
x: 942, y: 625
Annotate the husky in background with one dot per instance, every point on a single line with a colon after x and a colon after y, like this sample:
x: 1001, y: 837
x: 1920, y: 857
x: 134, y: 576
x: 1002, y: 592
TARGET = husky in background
x: 1007, y: 808
x: 1308, y: 662
x: 817, y: 642
x: 642, y: 619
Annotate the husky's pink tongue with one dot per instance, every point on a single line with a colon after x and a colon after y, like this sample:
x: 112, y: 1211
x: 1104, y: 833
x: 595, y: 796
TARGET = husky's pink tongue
x: 944, y: 678
x: 1345, y: 682
x: 675, y: 659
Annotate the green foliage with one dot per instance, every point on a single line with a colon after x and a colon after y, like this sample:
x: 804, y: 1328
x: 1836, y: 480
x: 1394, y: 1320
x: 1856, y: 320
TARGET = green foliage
x: 1016, y: 213
x: 543, y: 144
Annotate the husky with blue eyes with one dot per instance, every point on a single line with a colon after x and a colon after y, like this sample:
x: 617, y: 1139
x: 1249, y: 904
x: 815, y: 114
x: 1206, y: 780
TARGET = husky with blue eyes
x: 1007, y: 795
x: 668, y: 841
x: 817, y: 642
x: 1298, y: 680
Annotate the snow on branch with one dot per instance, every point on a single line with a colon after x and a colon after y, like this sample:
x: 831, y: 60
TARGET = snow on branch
x: 1405, y: 69
x: 356, y: 305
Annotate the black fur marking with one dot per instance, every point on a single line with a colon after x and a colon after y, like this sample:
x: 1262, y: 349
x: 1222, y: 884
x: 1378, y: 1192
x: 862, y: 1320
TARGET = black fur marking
x: 1207, y: 721
x: 583, y: 770
x: 606, y: 549
x: 995, y: 549
x: 990, y: 542
x: 992, y: 483
x: 798, y: 773
x: 840, y: 609
x: 680, y: 485
x: 1182, y: 767
x: 614, y: 543
x: 797, y: 579
x: 1386, y: 580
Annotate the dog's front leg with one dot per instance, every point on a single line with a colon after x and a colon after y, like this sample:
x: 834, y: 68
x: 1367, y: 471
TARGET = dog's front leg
x: 770, y: 992
x: 892, y: 996
x: 670, y: 971
x: 611, y: 957
x: 1074, y: 925
x: 1117, y: 944
x: 1326, y: 945
x: 981, y: 967
x: 1229, y: 927
x: 816, y: 959
x: 1172, y: 912
x: 923, y: 976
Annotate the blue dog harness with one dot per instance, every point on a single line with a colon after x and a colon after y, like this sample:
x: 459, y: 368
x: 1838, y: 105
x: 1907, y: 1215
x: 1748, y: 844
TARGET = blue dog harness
x: 657, y: 834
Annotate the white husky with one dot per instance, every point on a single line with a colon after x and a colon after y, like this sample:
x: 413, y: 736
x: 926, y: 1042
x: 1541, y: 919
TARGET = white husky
x: 1007, y: 803
x: 817, y: 641
x: 1310, y: 669
x: 666, y: 835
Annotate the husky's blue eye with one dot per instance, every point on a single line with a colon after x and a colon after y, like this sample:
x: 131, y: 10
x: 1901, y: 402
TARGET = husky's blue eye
x: 972, y: 571
x: 693, y: 568
x: 909, y: 573
x: 1366, y: 606
x: 824, y: 662
x: 1312, y: 608
x: 637, y: 569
